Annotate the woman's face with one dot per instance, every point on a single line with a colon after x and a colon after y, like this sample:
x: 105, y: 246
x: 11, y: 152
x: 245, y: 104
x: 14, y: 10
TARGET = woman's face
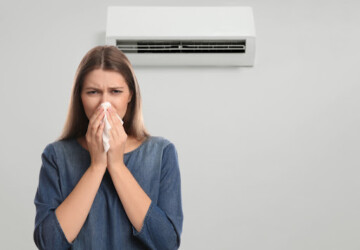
x: 105, y: 86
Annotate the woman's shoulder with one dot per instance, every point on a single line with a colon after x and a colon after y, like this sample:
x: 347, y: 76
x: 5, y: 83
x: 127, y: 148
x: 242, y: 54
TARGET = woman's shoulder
x: 58, y: 146
x: 158, y: 141
x: 157, y: 145
x: 163, y: 149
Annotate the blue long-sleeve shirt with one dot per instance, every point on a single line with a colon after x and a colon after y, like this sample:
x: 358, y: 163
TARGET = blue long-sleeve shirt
x: 154, y: 164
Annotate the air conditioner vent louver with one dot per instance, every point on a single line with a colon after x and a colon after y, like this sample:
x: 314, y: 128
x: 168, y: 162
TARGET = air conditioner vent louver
x: 185, y: 46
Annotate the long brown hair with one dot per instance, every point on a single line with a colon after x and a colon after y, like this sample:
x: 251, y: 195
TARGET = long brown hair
x: 106, y: 58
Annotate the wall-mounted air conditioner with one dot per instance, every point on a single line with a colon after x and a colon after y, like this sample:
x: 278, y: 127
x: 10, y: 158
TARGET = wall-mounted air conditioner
x: 179, y: 35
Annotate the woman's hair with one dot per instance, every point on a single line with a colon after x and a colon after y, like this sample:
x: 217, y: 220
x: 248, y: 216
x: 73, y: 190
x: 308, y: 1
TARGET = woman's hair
x: 105, y: 58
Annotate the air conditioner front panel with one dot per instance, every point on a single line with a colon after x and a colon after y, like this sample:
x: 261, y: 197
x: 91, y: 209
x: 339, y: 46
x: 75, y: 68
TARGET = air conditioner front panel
x: 194, y: 35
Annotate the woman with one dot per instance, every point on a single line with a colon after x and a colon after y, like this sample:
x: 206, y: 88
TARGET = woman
x: 126, y: 198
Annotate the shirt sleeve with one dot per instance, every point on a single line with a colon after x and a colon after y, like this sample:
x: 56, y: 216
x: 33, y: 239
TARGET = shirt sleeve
x: 48, y: 233
x: 163, y: 222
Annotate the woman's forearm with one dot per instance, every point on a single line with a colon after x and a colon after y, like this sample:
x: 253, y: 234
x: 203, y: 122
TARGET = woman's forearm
x: 72, y: 212
x: 133, y: 198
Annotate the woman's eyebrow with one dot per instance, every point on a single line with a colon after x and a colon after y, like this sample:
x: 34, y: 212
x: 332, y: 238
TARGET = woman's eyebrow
x: 116, y: 87
x: 91, y: 87
x: 112, y: 87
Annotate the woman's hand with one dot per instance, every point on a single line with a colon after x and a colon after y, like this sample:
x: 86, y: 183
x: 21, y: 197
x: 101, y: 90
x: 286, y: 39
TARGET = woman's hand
x: 94, y: 139
x: 117, y: 140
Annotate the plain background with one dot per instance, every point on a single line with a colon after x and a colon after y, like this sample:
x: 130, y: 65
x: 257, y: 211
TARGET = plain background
x: 269, y: 155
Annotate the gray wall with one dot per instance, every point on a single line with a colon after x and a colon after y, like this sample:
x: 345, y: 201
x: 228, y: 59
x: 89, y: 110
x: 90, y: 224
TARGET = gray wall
x: 269, y: 155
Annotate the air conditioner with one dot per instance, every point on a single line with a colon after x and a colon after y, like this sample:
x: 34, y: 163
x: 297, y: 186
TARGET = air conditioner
x: 183, y: 35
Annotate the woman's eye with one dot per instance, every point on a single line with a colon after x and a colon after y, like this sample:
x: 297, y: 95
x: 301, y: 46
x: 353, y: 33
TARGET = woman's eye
x: 92, y: 92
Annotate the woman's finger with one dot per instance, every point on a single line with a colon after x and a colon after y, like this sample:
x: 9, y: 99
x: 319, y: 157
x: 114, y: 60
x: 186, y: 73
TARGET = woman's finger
x: 95, y: 115
x: 116, y: 123
x: 100, y: 131
x: 95, y: 124
x: 116, y: 117
x: 114, y: 127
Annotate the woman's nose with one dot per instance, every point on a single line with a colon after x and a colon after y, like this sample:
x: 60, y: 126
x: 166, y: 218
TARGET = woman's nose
x: 104, y: 98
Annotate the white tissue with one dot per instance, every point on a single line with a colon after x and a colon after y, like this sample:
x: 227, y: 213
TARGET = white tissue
x: 106, y: 136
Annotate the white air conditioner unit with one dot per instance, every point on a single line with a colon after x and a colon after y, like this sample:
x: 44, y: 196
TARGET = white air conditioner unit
x: 179, y: 35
